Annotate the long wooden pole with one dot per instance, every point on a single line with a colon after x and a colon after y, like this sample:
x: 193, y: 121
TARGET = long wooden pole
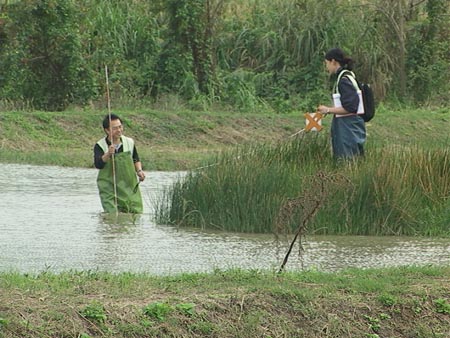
x: 108, y: 98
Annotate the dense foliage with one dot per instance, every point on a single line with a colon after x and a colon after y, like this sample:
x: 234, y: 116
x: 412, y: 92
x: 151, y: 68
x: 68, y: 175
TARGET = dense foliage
x: 246, y: 55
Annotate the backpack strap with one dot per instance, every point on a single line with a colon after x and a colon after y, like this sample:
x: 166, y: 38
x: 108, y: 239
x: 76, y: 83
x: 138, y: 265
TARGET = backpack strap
x: 350, y: 75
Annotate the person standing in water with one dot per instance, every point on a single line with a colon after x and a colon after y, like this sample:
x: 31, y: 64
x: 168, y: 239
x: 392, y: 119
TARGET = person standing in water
x: 348, y: 130
x: 118, y: 182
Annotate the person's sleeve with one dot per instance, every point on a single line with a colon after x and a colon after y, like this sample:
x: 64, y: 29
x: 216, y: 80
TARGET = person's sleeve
x: 135, y: 155
x: 98, y: 153
x: 349, y: 96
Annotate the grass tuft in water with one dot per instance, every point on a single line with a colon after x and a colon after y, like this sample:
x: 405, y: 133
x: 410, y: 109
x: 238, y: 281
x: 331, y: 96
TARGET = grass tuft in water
x: 392, y: 191
x: 243, y: 189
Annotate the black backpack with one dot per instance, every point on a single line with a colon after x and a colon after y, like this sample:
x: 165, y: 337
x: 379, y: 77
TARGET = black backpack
x: 366, y: 93
x: 368, y: 101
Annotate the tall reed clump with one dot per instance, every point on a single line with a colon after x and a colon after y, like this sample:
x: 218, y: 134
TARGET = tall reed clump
x: 393, y: 191
x: 243, y: 190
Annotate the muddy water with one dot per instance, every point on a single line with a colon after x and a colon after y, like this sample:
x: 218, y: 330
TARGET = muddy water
x: 51, y: 219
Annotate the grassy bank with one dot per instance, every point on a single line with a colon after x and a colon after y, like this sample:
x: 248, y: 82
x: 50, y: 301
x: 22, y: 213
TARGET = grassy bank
x: 180, y: 140
x: 396, y: 302
x: 165, y: 140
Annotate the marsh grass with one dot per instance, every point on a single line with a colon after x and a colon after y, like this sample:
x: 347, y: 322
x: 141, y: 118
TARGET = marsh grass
x: 392, y: 191
x: 241, y: 190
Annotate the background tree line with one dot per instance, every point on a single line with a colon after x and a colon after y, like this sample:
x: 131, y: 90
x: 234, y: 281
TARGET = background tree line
x: 245, y: 55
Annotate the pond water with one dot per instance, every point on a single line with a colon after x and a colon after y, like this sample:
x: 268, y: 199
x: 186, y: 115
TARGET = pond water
x: 51, y: 220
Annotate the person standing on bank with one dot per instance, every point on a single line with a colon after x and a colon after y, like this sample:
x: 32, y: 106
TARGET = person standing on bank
x: 127, y: 169
x: 348, y: 131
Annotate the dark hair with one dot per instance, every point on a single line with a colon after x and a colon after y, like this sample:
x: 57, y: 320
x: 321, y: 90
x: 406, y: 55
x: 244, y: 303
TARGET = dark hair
x: 340, y: 57
x: 108, y: 118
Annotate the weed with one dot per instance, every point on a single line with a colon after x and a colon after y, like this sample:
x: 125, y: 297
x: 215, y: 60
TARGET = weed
x: 417, y: 306
x: 387, y: 300
x: 158, y: 310
x: 442, y: 306
x: 202, y: 327
x: 3, y: 322
x: 94, y: 311
x: 374, y: 323
x: 384, y: 316
x: 84, y: 335
x: 146, y: 323
x: 186, y: 308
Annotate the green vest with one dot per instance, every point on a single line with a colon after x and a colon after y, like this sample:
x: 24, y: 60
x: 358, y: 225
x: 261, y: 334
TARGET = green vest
x: 129, y: 199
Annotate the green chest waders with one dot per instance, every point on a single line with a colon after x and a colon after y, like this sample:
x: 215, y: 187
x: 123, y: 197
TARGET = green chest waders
x: 129, y: 199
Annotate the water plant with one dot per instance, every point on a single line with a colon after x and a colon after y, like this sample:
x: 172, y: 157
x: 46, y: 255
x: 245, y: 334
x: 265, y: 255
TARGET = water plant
x: 392, y: 191
x: 242, y: 190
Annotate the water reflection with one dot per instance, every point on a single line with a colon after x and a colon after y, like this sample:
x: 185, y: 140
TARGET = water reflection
x: 51, y: 218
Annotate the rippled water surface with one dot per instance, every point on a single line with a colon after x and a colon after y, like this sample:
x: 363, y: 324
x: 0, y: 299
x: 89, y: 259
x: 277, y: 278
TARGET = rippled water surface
x: 51, y: 219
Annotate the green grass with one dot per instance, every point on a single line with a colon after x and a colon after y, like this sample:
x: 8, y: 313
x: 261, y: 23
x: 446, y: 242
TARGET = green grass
x: 395, y: 190
x: 166, y: 140
x: 395, y: 302
x: 242, y: 190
